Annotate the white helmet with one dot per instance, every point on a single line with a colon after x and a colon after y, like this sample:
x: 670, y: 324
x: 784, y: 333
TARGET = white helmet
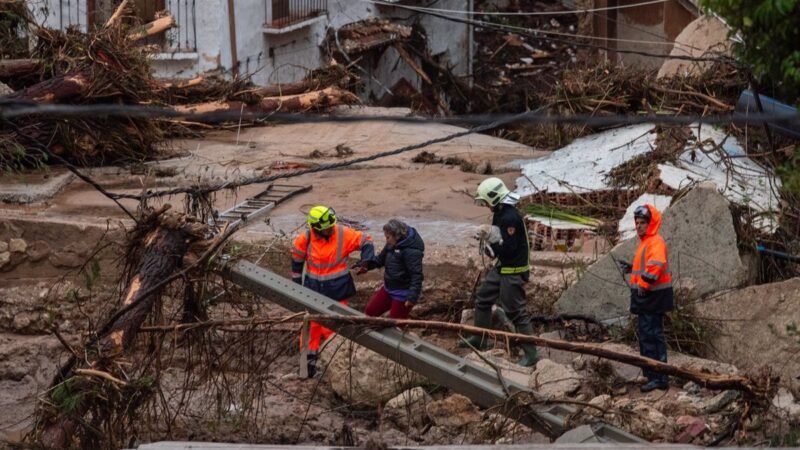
x: 492, y: 191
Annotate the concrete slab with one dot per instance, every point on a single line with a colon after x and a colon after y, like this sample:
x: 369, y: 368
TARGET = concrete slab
x: 33, y: 187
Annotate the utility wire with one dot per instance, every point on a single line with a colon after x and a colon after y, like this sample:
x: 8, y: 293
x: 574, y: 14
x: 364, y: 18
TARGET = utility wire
x: 320, y: 168
x: 534, y: 30
x: 532, y: 117
x: 523, y: 13
x: 535, y: 34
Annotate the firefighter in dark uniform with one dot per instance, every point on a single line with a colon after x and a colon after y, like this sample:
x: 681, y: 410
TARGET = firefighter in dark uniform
x: 507, y: 241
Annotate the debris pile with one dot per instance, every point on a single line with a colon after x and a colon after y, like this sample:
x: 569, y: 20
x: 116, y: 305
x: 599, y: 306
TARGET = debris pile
x: 109, y: 66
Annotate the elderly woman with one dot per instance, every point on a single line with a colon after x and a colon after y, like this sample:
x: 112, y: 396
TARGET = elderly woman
x: 401, y: 259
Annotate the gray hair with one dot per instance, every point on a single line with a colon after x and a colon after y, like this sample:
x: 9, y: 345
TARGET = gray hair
x: 396, y: 228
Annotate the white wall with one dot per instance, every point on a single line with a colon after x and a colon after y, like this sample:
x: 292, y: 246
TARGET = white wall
x: 287, y: 57
x: 59, y: 14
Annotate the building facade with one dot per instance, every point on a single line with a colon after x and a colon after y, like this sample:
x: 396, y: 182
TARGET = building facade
x: 273, y: 41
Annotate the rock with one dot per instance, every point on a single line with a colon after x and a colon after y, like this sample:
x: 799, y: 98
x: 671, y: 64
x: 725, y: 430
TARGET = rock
x: 5, y: 257
x: 360, y: 375
x: 601, y: 401
x: 510, y: 370
x: 554, y: 380
x: 17, y: 245
x: 755, y: 326
x: 719, y: 401
x: 38, y: 250
x: 698, y: 224
x: 786, y: 404
x: 3, y: 246
x: 691, y: 427
x: 692, y: 387
x: 408, y: 408
x: 701, y: 35
x: 5, y: 90
x: 454, y: 411
x: 642, y: 420
x: 66, y: 259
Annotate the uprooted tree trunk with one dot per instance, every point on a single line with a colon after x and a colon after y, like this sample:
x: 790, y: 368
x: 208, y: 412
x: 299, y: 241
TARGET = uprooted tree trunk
x: 758, y: 389
x: 331, y: 96
x: 167, y: 239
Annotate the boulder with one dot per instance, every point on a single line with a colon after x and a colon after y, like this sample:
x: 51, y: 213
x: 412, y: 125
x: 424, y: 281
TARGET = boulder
x: 360, y: 375
x: 786, y: 405
x: 641, y: 419
x: 3, y: 246
x: 17, y: 245
x: 5, y: 257
x: 756, y: 326
x: 703, y: 252
x: 38, y: 250
x: 704, y: 34
x: 408, y: 408
x: 454, y: 411
x: 555, y: 380
x: 718, y: 402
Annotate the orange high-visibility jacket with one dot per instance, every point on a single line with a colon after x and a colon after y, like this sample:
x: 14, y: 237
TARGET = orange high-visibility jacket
x: 325, y: 260
x: 651, y: 263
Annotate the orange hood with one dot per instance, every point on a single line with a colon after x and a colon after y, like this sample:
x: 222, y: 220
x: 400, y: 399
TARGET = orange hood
x: 655, y: 221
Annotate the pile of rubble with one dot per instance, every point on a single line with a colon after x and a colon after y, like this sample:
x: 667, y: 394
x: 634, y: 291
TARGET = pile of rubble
x: 110, y: 66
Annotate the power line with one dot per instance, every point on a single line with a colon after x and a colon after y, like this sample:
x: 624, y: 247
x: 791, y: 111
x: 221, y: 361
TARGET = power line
x: 534, y: 33
x: 527, y: 13
x: 15, y: 110
x: 535, y: 30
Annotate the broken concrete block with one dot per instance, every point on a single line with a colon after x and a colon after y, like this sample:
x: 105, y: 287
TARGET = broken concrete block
x: 786, y: 404
x: 696, y: 39
x: 17, y: 245
x: 756, y: 326
x: 702, y: 250
x: 358, y: 374
x: 691, y: 427
x: 600, y: 402
x: 454, y: 411
x: 717, y: 402
x: 408, y: 408
x: 38, y: 250
x: 555, y: 380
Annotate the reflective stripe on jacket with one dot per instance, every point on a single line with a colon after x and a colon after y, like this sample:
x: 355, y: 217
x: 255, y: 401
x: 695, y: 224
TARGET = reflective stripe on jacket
x: 325, y: 260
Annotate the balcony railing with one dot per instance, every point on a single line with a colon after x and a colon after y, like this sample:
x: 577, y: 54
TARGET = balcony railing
x: 84, y: 14
x: 285, y: 13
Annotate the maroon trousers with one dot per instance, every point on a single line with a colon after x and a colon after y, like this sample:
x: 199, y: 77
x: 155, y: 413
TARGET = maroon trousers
x: 382, y: 302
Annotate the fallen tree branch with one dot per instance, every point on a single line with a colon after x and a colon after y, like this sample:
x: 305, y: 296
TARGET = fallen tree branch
x: 331, y: 96
x: 708, y: 380
x: 100, y: 374
x: 159, y: 25
x: 17, y: 67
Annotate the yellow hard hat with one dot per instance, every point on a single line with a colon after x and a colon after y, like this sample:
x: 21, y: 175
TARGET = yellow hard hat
x: 492, y: 191
x: 321, y: 217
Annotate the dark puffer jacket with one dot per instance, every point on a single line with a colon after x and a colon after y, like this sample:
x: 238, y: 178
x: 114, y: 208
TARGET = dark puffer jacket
x: 403, y: 265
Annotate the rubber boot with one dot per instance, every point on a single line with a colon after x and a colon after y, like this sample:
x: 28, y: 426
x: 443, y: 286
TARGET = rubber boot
x: 499, y: 317
x: 483, y: 319
x: 531, y: 355
x: 311, y: 361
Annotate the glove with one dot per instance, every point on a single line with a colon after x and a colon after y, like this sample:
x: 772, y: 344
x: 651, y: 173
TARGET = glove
x: 624, y: 266
x: 298, y: 280
x: 641, y: 292
x: 360, y: 268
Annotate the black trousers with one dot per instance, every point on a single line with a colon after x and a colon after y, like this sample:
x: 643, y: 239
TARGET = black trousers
x: 652, y: 343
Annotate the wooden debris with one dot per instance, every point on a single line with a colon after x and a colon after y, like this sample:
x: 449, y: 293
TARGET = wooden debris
x: 331, y: 96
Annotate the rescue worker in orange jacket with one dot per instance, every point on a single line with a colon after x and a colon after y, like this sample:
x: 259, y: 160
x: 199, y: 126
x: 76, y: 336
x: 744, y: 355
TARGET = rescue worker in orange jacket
x: 322, y: 251
x: 651, y: 290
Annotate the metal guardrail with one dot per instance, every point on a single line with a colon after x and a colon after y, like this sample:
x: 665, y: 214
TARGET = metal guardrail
x: 481, y: 385
x: 283, y: 13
